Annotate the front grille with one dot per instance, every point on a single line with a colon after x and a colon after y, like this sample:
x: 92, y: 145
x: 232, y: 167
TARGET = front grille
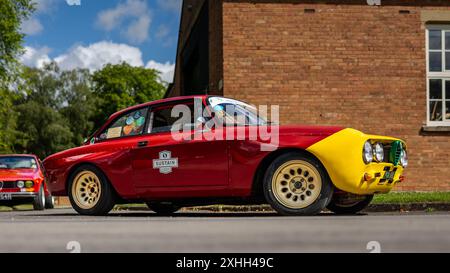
x: 395, y: 152
x: 8, y: 185
x: 392, y: 152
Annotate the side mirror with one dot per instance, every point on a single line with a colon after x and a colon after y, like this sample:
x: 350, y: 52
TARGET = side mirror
x: 90, y: 141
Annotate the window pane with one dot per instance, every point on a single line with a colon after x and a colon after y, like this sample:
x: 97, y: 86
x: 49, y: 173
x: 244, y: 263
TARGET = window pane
x: 130, y: 124
x: 447, y: 60
x: 447, y: 90
x: 435, y: 61
x: 435, y: 39
x: 447, y: 40
x: 436, y: 89
x: 435, y: 110
x: 447, y: 110
x: 163, y: 121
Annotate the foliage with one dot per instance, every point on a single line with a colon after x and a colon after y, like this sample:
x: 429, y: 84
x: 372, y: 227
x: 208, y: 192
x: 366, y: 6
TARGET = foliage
x: 120, y: 86
x: 12, y: 14
x: 7, y: 120
x: 54, y: 110
x: 46, y: 110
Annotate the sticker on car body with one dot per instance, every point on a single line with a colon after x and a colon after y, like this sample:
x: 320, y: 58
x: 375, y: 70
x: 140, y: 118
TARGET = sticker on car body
x: 165, y: 163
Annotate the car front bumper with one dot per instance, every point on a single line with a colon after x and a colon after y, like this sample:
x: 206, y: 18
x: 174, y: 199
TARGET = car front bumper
x: 341, y: 155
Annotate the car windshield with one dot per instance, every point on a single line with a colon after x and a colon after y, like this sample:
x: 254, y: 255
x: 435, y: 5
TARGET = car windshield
x: 17, y: 162
x: 234, y: 112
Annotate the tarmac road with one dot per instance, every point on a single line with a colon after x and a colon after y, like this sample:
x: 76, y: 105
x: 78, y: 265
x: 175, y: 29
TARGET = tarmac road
x: 52, y: 230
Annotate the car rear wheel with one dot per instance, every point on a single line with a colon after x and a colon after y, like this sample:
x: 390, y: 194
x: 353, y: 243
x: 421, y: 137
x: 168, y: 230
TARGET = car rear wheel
x: 90, y: 192
x: 296, y: 184
x: 163, y: 208
x: 347, y: 203
x: 39, y: 200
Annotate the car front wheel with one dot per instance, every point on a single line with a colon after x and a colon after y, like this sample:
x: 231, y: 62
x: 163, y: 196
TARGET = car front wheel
x: 39, y: 200
x: 296, y: 184
x: 90, y: 192
x: 347, y: 203
x: 49, y: 202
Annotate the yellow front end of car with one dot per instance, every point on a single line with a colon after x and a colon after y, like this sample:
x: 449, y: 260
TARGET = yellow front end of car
x: 362, y: 164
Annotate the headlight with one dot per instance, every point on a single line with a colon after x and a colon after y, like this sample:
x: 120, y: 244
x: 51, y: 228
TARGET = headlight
x: 404, y: 159
x: 367, y: 152
x: 20, y: 184
x: 379, y: 152
x: 29, y: 184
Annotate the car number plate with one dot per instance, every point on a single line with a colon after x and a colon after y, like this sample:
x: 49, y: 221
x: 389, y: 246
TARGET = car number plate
x: 5, y: 196
x: 389, y: 175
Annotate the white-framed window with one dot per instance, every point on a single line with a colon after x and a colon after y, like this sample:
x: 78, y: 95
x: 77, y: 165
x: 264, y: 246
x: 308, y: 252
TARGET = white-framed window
x: 438, y: 75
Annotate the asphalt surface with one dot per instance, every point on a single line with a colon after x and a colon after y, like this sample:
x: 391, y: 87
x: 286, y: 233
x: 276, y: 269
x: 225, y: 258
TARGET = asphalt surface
x: 62, y: 229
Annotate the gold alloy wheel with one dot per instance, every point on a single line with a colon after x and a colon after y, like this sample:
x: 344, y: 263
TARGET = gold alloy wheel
x: 296, y: 184
x: 86, y: 189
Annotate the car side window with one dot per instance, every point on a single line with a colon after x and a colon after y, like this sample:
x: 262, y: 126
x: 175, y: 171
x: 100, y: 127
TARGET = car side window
x: 161, y: 119
x: 129, y: 124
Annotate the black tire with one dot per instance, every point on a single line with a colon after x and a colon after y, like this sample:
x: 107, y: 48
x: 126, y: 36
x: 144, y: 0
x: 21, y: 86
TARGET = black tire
x: 341, y: 205
x: 163, y: 208
x: 316, y: 206
x: 39, y: 200
x: 49, y: 202
x: 107, y: 196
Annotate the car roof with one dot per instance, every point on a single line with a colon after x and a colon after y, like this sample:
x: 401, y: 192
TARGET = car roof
x: 172, y: 99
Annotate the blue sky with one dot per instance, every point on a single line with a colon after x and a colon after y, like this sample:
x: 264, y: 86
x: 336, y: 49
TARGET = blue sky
x: 91, y: 33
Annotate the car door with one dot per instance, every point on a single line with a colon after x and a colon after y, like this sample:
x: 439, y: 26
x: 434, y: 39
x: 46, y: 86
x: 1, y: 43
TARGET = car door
x: 161, y: 159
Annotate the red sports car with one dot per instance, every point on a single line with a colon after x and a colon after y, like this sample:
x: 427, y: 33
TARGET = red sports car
x: 22, y: 180
x: 205, y: 150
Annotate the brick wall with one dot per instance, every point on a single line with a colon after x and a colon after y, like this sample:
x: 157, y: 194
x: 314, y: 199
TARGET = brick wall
x: 352, y: 65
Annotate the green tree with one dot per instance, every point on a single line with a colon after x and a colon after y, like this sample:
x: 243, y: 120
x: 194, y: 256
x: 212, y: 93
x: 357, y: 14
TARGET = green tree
x: 42, y: 128
x: 7, y: 120
x: 12, y: 14
x: 78, y: 103
x: 120, y: 86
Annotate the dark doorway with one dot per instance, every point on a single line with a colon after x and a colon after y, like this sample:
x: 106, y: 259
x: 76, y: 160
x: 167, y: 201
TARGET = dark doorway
x: 196, y: 56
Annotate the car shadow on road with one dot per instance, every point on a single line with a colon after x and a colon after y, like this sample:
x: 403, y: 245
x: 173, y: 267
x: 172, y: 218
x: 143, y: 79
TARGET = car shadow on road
x: 200, y: 214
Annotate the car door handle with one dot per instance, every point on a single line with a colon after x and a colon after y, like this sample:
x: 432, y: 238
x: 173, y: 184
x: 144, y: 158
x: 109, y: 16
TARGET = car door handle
x: 142, y: 144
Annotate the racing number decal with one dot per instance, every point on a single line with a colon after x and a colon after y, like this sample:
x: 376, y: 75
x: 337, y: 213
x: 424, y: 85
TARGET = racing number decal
x: 165, y: 163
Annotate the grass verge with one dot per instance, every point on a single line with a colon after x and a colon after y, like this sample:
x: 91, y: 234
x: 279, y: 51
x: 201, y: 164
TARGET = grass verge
x: 412, y: 197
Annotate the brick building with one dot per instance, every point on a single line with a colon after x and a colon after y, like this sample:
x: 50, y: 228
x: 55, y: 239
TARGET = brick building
x: 381, y: 69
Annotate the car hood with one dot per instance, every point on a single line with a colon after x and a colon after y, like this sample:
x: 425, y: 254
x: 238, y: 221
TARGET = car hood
x: 22, y: 174
x: 309, y: 130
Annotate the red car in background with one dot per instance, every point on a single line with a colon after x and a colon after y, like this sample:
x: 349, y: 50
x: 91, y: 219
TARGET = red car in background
x: 22, y: 180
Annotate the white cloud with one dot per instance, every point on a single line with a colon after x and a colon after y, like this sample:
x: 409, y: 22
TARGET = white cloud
x: 132, y: 18
x: 32, y: 26
x: 167, y: 70
x: 173, y: 5
x: 35, y: 57
x: 95, y: 56
x: 45, y: 6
